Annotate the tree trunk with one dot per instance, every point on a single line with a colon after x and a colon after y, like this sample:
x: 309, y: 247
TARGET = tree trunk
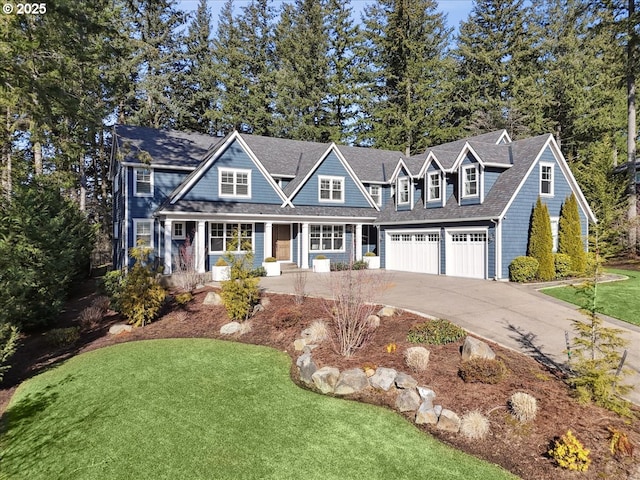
x: 37, y: 158
x: 631, y: 134
x: 83, y: 184
x: 6, y: 171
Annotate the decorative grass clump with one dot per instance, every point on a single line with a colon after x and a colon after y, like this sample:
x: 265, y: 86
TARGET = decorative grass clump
x: 417, y: 358
x: 474, y: 425
x: 435, y: 332
x: 90, y: 317
x: 318, y: 331
x: 483, y: 370
x: 523, y: 406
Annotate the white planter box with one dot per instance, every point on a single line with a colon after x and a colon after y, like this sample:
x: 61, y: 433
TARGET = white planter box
x: 272, y: 268
x: 372, y: 262
x: 220, y: 274
x: 321, y: 265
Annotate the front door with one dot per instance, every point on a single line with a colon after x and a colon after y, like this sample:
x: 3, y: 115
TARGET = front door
x: 282, y: 242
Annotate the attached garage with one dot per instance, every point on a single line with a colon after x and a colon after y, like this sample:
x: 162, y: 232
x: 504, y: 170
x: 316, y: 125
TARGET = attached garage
x: 466, y: 253
x: 413, y: 251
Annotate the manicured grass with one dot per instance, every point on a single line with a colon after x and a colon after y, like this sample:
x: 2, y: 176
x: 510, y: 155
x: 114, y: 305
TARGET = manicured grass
x: 206, y: 409
x: 617, y: 299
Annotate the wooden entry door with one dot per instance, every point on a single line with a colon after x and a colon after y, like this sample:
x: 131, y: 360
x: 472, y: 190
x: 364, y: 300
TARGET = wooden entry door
x: 282, y: 242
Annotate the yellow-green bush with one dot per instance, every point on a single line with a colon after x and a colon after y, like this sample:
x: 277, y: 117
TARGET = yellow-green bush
x: 523, y: 269
x: 435, y: 332
x: 562, y: 263
x: 569, y: 453
x: 483, y: 370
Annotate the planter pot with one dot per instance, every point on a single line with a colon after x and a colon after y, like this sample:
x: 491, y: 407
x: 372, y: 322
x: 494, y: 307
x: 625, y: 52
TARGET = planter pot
x: 372, y: 262
x: 272, y: 268
x: 321, y: 265
x: 220, y: 274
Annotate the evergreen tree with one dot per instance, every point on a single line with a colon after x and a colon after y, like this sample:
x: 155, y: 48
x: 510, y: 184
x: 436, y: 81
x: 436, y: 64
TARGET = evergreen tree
x: 570, y: 235
x: 541, y: 241
x: 409, y: 78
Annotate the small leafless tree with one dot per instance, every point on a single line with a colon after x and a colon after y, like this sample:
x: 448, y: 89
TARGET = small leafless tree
x: 299, y: 287
x: 185, y: 275
x: 354, y: 295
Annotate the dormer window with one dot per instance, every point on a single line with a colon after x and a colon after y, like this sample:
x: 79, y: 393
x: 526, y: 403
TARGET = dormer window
x: 469, y: 182
x: 376, y: 194
x: 331, y: 189
x: 234, y: 183
x: 434, y: 191
x: 546, y: 179
x: 403, y: 190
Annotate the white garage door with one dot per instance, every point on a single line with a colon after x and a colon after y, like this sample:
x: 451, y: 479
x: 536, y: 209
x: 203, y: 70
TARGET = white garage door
x: 416, y: 251
x: 466, y: 254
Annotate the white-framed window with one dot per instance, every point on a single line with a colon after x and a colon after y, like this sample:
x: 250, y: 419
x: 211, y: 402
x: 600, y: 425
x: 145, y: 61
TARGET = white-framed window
x: 403, y: 190
x: 143, y: 182
x: 546, y: 179
x: 178, y: 230
x: 376, y: 194
x: 470, y: 182
x: 143, y: 232
x: 234, y: 183
x: 223, y: 237
x: 330, y: 189
x: 555, y: 222
x: 326, y: 238
x: 434, y: 189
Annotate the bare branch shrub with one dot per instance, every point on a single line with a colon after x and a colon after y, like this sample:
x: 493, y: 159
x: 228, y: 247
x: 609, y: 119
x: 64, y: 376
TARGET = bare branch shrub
x: 91, y: 317
x: 185, y: 275
x: 299, y: 287
x: 102, y: 302
x: 353, y: 293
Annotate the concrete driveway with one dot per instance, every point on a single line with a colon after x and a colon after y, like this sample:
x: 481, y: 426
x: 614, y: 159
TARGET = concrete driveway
x: 512, y: 315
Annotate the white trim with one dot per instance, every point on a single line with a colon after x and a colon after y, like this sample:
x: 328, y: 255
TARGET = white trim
x: 555, y: 220
x: 331, y: 179
x: 398, y: 169
x: 135, y: 182
x: 380, y: 189
x: 431, y: 158
x: 235, y: 172
x: 168, y: 230
x: 429, y: 184
x: 358, y: 234
x: 498, y: 249
x: 267, y: 250
x: 463, y: 180
x: 400, y: 180
x: 157, y: 166
x: 552, y: 180
x: 175, y: 235
x: 200, y: 246
x: 136, y: 222
x: 304, y: 242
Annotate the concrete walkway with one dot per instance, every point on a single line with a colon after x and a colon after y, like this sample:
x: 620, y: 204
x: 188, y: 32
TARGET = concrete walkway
x: 514, y: 316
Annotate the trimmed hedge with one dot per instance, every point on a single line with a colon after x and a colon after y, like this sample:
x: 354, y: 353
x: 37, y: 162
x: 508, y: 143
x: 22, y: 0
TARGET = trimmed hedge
x: 523, y: 269
x: 562, y: 262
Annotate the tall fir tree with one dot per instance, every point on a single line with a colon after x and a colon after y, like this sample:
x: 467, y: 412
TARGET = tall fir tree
x: 410, y: 76
x: 570, y: 239
x: 540, y: 244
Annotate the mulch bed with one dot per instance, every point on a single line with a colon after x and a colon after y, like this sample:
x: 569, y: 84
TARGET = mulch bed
x: 518, y: 448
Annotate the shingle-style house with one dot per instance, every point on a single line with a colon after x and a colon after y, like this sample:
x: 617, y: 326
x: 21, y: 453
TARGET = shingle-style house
x: 461, y: 209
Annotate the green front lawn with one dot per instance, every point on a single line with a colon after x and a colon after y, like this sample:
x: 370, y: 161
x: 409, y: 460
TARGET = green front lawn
x: 207, y: 409
x: 617, y: 299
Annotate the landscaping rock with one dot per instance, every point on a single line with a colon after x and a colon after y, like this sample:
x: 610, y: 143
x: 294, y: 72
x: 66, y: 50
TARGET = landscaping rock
x: 299, y: 344
x: 212, y: 298
x: 325, y: 379
x: 351, y: 381
x: 119, y: 328
x: 474, y: 348
x: 438, y: 409
x: 257, y: 308
x: 373, y: 321
x: 383, y: 379
x: 405, y: 381
x: 265, y: 302
x: 426, y: 393
x: 407, y: 400
x: 306, y: 333
x: 308, y: 347
x: 306, y: 367
x: 230, y: 328
x: 386, y: 312
x: 448, y: 421
x: 426, y: 414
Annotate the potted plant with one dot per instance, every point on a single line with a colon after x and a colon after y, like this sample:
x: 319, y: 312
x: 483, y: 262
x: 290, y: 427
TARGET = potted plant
x: 321, y: 264
x: 271, y: 266
x: 372, y: 260
x: 220, y: 271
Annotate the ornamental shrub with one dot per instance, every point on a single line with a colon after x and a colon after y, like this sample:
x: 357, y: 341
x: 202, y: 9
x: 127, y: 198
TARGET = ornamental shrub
x: 8, y: 343
x: 435, y: 332
x: 483, y: 370
x: 570, y: 235
x: 474, y: 425
x: 562, y: 262
x: 540, y: 244
x: 523, y: 269
x: 240, y: 293
x: 111, y: 285
x: 569, y: 453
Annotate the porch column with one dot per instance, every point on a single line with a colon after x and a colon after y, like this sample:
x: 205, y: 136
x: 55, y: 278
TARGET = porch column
x: 167, y: 247
x: 305, y: 246
x: 268, y: 239
x: 358, y: 241
x: 200, y: 247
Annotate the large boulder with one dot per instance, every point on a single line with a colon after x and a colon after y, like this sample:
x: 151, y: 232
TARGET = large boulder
x: 351, y: 381
x: 119, y: 328
x: 426, y: 414
x: 212, y: 298
x: 407, y: 400
x: 230, y: 328
x: 299, y: 344
x: 426, y: 393
x: 448, y: 421
x: 383, y: 379
x: 325, y: 379
x: 474, y: 348
x: 306, y: 367
x: 386, y: 312
x: 405, y: 381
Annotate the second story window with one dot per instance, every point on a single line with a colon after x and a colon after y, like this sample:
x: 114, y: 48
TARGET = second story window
x: 331, y: 189
x: 433, y: 187
x: 403, y: 190
x: 376, y: 194
x: 470, y: 182
x: 235, y: 183
x: 143, y: 182
x: 546, y: 180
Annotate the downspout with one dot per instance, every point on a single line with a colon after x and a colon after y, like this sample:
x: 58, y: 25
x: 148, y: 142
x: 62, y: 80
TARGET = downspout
x: 497, y: 245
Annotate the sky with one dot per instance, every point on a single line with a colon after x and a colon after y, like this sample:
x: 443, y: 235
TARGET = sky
x: 456, y: 10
